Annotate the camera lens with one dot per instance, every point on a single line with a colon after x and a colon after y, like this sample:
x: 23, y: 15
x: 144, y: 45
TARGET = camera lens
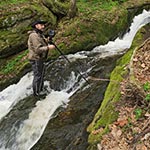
x: 52, y: 33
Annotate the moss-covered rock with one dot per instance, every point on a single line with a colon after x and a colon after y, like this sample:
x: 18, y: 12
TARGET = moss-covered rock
x: 95, y: 24
x: 85, y: 33
x: 57, y: 7
x: 14, y: 26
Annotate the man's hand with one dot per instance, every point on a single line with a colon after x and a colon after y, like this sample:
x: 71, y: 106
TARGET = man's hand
x: 51, y: 47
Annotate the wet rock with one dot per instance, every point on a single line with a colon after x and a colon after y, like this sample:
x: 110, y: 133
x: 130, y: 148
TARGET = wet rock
x: 67, y: 131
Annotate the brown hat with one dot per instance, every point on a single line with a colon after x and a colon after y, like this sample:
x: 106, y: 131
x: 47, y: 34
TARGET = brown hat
x: 38, y: 22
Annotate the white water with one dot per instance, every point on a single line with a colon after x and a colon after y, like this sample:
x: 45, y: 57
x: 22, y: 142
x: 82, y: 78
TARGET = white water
x: 31, y: 129
x: 12, y: 94
x: 119, y: 45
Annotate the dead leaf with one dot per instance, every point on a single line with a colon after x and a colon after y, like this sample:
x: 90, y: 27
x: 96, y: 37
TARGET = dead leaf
x: 143, y: 65
x: 119, y: 133
x: 121, y: 123
x: 141, y: 147
x: 135, y: 59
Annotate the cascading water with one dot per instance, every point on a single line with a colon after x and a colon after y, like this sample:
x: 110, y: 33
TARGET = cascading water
x: 119, y: 45
x: 29, y: 131
x: 11, y: 95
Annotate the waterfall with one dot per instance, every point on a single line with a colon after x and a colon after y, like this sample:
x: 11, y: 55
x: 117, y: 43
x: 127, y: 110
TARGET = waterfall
x: 12, y: 94
x: 118, y: 45
x: 31, y: 129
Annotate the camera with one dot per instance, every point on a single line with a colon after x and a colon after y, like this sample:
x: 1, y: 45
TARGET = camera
x: 51, y: 34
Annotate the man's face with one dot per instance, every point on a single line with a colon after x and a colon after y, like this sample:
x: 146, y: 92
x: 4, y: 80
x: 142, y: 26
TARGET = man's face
x: 40, y: 27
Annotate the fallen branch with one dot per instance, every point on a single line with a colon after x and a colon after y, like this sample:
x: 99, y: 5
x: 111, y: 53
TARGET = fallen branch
x: 102, y: 79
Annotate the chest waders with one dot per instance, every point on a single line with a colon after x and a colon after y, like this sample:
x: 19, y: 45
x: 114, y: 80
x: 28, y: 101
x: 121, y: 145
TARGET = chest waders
x: 38, y: 68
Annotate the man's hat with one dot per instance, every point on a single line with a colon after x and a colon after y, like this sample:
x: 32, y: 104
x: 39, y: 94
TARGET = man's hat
x: 38, y: 22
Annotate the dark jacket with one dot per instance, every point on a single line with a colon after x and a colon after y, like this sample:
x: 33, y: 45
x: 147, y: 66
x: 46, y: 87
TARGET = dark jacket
x: 37, y: 45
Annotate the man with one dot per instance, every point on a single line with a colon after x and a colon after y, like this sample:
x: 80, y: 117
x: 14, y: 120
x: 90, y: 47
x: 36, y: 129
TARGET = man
x: 38, y: 48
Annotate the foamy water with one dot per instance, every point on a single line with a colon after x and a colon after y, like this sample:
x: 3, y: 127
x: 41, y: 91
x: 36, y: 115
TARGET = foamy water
x: 31, y: 129
x: 14, y: 93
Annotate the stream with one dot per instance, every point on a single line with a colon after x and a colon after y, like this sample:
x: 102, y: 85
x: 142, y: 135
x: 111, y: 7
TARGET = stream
x: 59, y: 121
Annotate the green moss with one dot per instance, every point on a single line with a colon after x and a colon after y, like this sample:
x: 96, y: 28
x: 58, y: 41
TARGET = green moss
x: 107, y: 114
x: 96, y: 29
x: 83, y: 5
x: 6, y: 2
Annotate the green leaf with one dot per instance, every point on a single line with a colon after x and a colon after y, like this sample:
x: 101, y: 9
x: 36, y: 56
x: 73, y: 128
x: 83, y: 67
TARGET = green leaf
x: 147, y: 86
x: 147, y: 98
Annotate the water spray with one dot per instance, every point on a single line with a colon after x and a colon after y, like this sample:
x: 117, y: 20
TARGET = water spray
x: 51, y: 35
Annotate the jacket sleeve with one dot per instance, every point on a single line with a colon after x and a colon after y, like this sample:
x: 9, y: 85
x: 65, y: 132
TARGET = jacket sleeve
x: 37, y: 43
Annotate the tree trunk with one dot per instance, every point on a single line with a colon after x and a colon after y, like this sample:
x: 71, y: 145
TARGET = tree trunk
x: 73, y: 9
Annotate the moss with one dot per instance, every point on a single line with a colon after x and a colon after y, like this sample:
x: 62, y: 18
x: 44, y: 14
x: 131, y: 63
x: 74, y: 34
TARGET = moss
x: 15, y: 64
x: 86, y: 33
x: 6, y: 2
x: 15, y: 25
x: 44, y: 13
x: 12, y: 69
x: 106, y: 113
x: 97, y: 28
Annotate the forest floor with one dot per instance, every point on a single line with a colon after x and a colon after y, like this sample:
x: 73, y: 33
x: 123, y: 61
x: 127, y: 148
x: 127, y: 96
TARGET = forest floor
x: 131, y: 131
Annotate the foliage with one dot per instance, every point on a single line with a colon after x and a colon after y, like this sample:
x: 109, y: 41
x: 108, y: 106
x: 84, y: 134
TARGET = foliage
x: 96, y: 1
x: 11, y: 65
x: 99, y: 4
x: 147, y: 86
x: 147, y: 98
x: 138, y: 113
